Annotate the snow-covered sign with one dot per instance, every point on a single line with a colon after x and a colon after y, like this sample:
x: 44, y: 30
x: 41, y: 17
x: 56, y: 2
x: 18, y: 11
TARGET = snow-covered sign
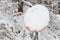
x: 36, y: 18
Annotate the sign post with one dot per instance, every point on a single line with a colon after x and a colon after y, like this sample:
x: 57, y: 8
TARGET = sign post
x: 36, y: 19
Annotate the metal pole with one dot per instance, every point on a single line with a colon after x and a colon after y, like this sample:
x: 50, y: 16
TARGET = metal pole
x: 36, y: 36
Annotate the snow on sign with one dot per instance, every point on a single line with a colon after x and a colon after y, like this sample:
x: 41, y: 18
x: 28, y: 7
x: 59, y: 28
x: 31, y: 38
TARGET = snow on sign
x: 36, y: 18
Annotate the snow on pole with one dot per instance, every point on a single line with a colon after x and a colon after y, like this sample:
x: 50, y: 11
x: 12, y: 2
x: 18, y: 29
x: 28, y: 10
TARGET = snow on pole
x: 36, y: 18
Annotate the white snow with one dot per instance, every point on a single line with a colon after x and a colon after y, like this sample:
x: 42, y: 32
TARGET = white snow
x: 37, y: 17
x: 12, y: 26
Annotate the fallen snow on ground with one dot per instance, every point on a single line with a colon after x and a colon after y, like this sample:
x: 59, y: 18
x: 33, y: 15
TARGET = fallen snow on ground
x: 12, y: 26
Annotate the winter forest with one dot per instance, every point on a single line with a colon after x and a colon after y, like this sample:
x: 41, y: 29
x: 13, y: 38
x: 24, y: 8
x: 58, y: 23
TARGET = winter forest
x: 12, y: 26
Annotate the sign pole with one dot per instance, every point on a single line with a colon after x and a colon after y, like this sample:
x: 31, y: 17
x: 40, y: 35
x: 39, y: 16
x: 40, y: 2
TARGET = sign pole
x: 36, y: 36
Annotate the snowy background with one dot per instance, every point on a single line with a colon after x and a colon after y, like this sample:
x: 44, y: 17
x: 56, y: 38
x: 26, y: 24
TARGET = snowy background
x: 12, y: 24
